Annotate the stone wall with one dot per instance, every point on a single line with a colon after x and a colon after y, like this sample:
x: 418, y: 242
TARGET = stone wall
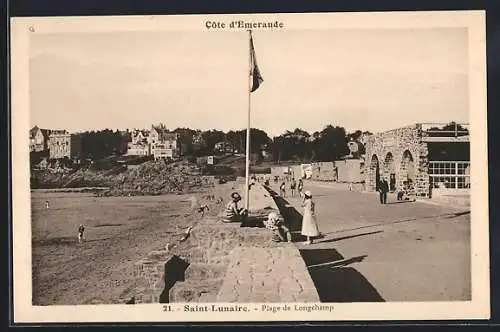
x: 216, y: 261
x: 349, y: 170
x: 193, y: 270
x: 324, y: 171
x: 400, y: 152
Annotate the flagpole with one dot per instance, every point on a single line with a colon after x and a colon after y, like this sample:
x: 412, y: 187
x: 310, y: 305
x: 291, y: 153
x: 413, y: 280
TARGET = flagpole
x: 247, y: 154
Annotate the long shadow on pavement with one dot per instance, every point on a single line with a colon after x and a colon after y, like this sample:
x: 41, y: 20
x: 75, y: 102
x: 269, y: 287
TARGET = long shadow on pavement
x: 335, y: 281
x: 292, y: 217
x: 349, y: 237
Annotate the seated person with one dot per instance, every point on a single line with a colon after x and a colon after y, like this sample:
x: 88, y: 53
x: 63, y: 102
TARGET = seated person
x: 401, y: 192
x: 232, y: 212
x: 281, y: 233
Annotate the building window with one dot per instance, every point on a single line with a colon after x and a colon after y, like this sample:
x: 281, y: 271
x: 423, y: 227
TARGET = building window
x: 449, y: 174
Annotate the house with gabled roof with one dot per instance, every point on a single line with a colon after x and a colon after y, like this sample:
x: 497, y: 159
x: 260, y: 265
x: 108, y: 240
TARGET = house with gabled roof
x: 164, y: 144
x: 39, y: 139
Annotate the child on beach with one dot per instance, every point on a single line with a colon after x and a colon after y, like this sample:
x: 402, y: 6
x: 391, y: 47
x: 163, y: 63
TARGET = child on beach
x: 309, y: 222
x: 81, y: 230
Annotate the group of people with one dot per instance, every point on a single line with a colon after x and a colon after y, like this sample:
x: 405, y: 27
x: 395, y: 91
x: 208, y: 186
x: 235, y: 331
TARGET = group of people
x: 234, y: 213
x: 404, y: 192
x: 294, y: 185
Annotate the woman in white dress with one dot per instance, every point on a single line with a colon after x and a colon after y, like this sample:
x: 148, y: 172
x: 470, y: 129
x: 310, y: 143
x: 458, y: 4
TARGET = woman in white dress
x: 309, y: 223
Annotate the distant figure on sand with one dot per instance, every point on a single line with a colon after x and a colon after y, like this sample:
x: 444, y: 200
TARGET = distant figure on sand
x: 232, y: 212
x: 283, y: 189
x: 46, y: 204
x: 293, y: 185
x: 202, y: 209
x: 81, y: 230
x: 309, y: 222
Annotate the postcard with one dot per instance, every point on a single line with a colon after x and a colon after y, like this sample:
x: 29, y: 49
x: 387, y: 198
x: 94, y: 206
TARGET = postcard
x: 250, y: 167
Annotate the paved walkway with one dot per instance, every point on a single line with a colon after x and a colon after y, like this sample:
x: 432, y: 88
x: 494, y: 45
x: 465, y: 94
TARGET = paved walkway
x: 394, y: 252
x: 267, y: 275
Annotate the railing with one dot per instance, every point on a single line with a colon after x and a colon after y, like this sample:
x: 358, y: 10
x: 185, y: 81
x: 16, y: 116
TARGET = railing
x: 452, y: 129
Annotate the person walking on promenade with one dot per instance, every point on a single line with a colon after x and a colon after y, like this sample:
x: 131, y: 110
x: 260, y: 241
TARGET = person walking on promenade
x: 300, y: 187
x: 309, y: 222
x: 383, y: 188
x: 292, y: 187
x: 283, y: 189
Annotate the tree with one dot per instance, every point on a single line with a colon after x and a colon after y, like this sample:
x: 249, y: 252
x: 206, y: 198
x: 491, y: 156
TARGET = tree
x: 331, y: 144
x: 211, y: 137
x: 292, y: 145
x: 102, y: 143
x: 186, y: 139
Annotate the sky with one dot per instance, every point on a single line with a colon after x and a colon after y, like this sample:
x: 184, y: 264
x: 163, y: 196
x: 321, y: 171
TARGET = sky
x: 360, y: 79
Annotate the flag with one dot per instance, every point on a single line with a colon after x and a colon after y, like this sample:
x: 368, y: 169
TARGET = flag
x: 255, y: 77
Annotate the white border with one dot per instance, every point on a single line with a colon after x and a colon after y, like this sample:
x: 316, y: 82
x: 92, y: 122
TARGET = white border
x: 478, y: 308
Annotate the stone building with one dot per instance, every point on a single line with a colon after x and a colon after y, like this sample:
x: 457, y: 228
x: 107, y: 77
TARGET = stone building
x: 63, y: 145
x: 432, y: 157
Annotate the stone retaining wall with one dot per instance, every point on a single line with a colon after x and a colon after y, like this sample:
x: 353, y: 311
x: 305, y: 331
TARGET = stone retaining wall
x: 194, y: 270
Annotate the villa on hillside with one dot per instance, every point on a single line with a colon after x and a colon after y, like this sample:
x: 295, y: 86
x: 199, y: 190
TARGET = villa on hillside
x: 39, y: 139
x: 54, y: 144
x: 63, y: 145
x: 164, y: 144
x: 224, y: 147
x: 140, y: 143
x: 158, y: 142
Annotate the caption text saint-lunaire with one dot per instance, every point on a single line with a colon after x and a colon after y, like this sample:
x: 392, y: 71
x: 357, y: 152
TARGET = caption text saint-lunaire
x: 244, y: 25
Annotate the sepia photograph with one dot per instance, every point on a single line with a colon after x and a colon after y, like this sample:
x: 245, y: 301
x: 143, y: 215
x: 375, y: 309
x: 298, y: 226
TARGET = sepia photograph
x: 250, y: 167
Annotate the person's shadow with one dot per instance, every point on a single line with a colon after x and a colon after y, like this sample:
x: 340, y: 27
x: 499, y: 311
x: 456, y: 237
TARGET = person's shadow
x: 292, y: 217
x: 335, y: 280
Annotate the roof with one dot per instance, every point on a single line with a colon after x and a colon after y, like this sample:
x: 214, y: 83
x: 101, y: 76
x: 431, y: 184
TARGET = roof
x: 34, y: 130
x: 144, y: 133
x: 164, y: 133
x: 57, y: 132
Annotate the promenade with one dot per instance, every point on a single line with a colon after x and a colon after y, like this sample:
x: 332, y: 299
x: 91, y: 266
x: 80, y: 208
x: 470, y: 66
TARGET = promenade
x: 369, y: 252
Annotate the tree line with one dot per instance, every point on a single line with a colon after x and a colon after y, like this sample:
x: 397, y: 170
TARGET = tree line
x: 328, y: 144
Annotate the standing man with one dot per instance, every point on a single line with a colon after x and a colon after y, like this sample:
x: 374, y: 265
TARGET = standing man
x: 383, y: 189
